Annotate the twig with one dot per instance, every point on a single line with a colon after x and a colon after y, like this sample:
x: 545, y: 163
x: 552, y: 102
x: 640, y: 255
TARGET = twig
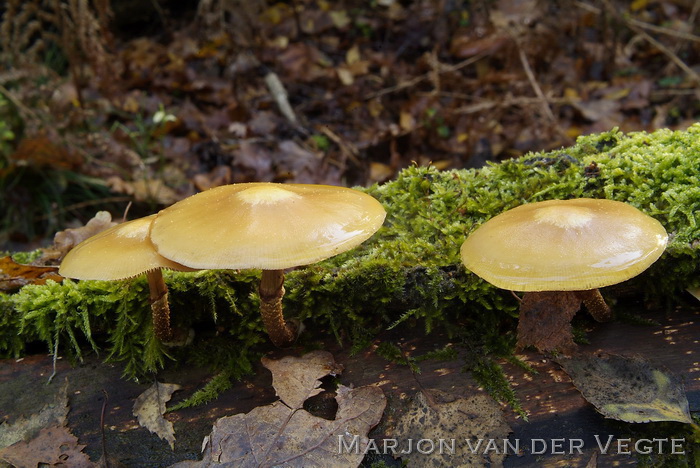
x: 508, y: 102
x: 17, y: 103
x: 84, y: 204
x: 102, y: 430
x: 126, y: 211
x: 533, y: 81
x: 667, y: 31
x: 429, y: 75
x: 55, y: 358
x: 428, y: 397
x: 279, y: 93
x: 348, y: 149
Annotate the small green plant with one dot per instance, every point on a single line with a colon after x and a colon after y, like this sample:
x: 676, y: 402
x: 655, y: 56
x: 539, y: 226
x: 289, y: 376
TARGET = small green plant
x: 321, y: 142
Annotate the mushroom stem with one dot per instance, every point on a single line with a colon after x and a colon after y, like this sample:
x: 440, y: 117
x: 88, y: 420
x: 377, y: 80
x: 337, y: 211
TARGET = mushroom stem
x: 159, y: 305
x: 271, y: 291
x: 595, y: 304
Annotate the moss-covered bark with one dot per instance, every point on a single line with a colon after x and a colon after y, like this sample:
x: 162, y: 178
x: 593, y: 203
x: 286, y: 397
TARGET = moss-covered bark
x: 408, y: 273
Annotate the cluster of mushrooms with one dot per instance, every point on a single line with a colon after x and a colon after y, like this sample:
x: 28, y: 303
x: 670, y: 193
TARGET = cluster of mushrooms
x: 558, y: 252
x: 264, y: 226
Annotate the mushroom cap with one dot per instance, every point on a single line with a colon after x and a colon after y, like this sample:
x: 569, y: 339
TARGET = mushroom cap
x: 122, y: 251
x: 564, y: 245
x: 265, y: 225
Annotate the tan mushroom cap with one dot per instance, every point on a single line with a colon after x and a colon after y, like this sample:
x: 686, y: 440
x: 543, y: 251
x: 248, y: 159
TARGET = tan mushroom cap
x: 265, y: 225
x: 564, y: 245
x: 122, y: 251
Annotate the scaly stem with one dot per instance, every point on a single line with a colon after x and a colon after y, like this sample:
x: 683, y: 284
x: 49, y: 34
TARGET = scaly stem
x: 159, y: 305
x: 271, y: 290
x: 595, y: 304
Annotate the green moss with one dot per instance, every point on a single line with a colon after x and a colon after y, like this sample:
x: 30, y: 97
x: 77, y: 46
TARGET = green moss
x: 408, y: 274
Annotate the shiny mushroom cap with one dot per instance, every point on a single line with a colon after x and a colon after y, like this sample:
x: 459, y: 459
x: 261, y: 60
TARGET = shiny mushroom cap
x: 122, y: 251
x: 265, y: 225
x: 564, y: 245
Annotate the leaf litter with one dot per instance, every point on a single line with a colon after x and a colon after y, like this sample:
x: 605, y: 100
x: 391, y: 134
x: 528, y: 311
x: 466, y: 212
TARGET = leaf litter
x: 284, y: 434
x: 630, y: 389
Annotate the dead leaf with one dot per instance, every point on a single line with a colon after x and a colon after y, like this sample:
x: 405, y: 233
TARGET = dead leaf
x: 41, y: 151
x: 477, y: 419
x: 150, y: 407
x: 628, y: 388
x: 144, y: 190
x: 15, y: 275
x: 220, y: 175
x: 597, y: 110
x: 285, y: 434
x: 545, y: 320
x: 299, y: 163
x: 297, y: 379
x: 65, y: 240
x: 54, y: 446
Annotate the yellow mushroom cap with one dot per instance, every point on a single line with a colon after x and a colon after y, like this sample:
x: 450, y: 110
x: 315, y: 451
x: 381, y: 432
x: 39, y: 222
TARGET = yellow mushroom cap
x: 564, y: 245
x: 265, y: 225
x: 122, y: 251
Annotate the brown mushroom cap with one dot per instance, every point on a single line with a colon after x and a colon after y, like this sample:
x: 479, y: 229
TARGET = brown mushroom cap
x: 265, y: 225
x: 122, y: 251
x: 564, y: 245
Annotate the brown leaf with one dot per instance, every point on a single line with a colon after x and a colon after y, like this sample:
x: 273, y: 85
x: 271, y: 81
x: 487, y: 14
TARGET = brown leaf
x: 545, y: 320
x: 41, y: 151
x: 282, y: 435
x: 144, y: 190
x: 150, y: 407
x: 297, y: 379
x: 15, y: 275
x: 220, y: 175
x: 299, y: 163
x: 441, y: 416
x: 54, y: 446
x: 65, y: 240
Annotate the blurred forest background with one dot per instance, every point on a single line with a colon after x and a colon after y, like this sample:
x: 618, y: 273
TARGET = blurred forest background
x: 103, y: 104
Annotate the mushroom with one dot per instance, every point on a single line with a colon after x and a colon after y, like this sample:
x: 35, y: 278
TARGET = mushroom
x: 266, y: 226
x: 559, y: 252
x: 125, y: 251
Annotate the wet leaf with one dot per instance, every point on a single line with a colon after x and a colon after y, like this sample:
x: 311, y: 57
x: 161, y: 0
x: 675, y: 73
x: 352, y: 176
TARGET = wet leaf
x: 15, y: 275
x: 150, y: 407
x: 54, y: 446
x: 628, y: 388
x: 439, y: 415
x: 285, y: 434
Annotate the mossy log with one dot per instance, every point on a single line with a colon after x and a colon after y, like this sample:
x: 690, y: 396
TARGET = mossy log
x: 407, y: 273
